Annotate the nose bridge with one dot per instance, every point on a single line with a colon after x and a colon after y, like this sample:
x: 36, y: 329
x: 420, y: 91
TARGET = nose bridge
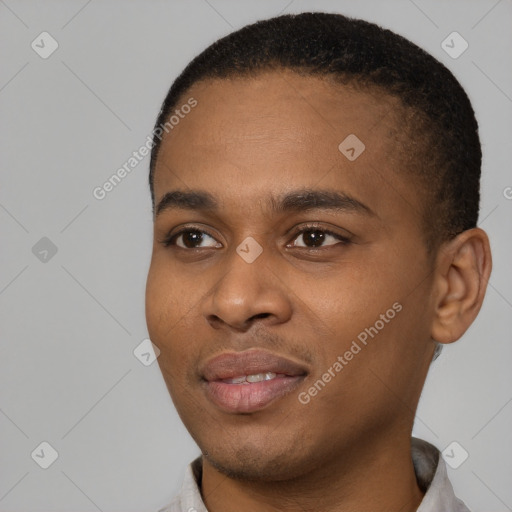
x: 244, y: 277
x: 247, y: 288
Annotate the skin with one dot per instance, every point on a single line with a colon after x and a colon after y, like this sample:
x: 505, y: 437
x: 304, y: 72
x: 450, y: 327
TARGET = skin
x: 349, y: 448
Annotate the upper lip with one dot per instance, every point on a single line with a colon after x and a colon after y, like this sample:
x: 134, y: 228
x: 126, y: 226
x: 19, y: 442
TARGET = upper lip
x: 234, y: 364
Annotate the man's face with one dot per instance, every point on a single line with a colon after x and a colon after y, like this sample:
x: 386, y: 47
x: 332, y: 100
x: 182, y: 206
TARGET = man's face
x: 310, y: 296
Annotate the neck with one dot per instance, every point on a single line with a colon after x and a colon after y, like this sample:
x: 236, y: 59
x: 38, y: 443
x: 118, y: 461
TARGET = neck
x: 376, y: 478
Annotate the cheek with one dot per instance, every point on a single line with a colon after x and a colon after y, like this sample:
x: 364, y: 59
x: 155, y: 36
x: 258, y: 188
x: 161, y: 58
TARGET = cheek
x: 159, y: 304
x: 172, y: 302
x: 367, y: 308
x: 350, y: 300
x: 167, y: 295
x: 167, y: 311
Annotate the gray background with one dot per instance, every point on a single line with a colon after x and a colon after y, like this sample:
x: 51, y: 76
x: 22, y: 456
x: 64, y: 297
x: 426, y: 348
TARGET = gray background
x: 69, y: 325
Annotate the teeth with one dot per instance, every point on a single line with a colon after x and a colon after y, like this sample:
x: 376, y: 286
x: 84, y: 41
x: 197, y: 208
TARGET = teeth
x: 258, y: 377
x: 261, y: 376
x: 236, y: 380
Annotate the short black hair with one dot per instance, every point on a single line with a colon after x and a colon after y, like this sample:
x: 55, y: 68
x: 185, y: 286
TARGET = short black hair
x: 442, y: 146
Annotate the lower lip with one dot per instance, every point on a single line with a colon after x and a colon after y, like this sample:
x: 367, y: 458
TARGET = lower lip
x: 251, y: 397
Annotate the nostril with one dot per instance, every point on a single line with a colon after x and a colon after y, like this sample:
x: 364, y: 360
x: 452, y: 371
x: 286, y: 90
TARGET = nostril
x: 260, y: 315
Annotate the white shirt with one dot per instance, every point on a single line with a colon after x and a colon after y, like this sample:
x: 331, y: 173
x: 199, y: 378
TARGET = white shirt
x: 429, y: 467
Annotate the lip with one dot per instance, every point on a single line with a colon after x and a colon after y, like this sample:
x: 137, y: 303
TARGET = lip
x: 249, y: 397
x: 249, y: 362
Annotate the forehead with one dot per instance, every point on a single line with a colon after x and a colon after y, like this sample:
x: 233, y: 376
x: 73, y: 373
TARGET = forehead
x: 243, y: 106
x: 277, y: 129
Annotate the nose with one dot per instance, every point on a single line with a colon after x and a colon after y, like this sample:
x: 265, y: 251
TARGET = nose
x: 246, y: 293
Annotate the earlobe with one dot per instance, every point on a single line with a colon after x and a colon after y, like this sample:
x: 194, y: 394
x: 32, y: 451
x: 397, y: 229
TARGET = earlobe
x: 463, y: 268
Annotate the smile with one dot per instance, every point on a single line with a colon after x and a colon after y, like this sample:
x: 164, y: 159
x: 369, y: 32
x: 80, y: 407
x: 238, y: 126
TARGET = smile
x: 249, y: 381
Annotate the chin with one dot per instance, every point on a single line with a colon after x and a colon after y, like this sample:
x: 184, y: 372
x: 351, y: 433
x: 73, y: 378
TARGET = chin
x: 258, y: 461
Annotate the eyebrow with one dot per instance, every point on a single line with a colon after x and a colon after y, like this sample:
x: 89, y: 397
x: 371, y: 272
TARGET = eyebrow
x: 297, y: 200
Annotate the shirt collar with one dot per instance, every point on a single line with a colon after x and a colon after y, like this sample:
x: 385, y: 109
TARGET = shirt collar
x: 432, y: 476
x: 429, y: 467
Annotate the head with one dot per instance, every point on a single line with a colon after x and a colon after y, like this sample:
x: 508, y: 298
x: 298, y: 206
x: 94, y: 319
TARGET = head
x: 345, y: 161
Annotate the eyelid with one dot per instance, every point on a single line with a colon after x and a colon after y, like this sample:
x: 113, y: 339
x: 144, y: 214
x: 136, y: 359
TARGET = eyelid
x: 321, y: 227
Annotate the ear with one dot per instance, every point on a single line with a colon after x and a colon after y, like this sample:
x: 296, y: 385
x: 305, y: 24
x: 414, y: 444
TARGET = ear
x: 463, y: 268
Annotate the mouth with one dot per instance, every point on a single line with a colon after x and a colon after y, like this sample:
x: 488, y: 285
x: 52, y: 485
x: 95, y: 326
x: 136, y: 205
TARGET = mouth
x: 249, y: 381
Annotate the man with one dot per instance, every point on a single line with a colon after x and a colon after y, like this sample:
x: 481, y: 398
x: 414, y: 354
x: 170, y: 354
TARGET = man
x: 315, y: 185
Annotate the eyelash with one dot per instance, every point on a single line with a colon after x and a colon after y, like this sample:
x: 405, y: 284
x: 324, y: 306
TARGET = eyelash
x: 170, y: 240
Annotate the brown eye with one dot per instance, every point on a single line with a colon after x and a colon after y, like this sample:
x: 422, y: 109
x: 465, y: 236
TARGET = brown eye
x: 191, y: 239
x: 315, y: 237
